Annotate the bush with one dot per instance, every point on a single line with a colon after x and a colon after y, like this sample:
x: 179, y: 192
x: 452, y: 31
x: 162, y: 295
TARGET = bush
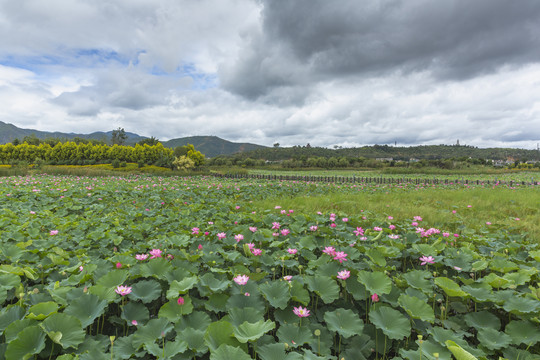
x: 115, y: 163
x: 123, y: 164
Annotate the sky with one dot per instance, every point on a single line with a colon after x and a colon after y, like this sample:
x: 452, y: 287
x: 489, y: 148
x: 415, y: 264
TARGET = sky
x: 346, y: 73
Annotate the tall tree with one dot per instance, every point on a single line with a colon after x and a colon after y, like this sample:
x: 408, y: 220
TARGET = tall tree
x: 118, y: 137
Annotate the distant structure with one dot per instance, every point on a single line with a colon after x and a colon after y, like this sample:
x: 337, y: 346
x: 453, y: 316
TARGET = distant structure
x: 457, y: 143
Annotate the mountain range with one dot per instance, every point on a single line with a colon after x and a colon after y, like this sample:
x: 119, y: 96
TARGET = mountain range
x: 210, y: 146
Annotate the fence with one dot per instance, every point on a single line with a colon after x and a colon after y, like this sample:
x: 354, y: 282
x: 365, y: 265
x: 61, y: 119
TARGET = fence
x: 373, y: 180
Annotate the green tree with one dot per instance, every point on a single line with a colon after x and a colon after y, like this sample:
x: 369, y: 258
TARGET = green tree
x: 118, y: 137
x: 149, y: 141
x: 183, y: 163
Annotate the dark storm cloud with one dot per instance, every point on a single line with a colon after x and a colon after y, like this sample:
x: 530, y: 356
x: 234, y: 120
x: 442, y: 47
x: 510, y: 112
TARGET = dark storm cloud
x: 308, y: 41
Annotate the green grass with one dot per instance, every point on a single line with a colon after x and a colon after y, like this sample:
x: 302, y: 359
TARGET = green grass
x: 500, y: 206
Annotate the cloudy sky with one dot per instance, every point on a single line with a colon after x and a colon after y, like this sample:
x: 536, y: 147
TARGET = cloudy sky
x: 345, y: 72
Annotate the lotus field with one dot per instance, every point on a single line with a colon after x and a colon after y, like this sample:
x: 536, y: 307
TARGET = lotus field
x: 192, y: 268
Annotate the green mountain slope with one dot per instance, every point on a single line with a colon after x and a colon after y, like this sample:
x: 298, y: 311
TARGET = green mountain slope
x: 212, y: 146
x: 9, y: 132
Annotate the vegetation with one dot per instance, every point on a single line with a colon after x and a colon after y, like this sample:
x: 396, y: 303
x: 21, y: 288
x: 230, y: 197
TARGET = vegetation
x: 195, y: 268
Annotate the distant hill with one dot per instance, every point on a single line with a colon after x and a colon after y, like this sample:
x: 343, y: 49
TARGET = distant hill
x: 9, y: 132
x: 212, y: 146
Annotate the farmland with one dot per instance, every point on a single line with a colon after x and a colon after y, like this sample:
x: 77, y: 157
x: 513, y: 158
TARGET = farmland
x: 133, y: 266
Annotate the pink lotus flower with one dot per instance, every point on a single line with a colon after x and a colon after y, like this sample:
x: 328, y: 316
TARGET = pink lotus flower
x: 359, y: 231
x: 250, y: 246
x: 180, y: 301
x: 252, y: 229
x: 390, y: 218
x: 392, y: 227
x: 221, y: 235
x: 199, y: 247
x: 376, y: 228
x: 340, y: 256
x: 446, y: 234
x: 81, y: 268
x: 277, y: 207
x: 345, y: 219
x: 238, y: 237
x: 206, y: 233
x: 123, y: 290
x: 283, y: 212
x: 155, y: 253
x: 118, y: 265
x: 329, y: 250
x: 256, y: 252
x: 291, y: 211
x: 313, y: 228
x: 417, y: 218
x: 247, y: 294
x: 237, y: 207
x: 427, y: 260
x: 301, y: 312
x: 287, y: 278
x: 134, y: 322
x: 333, y: 225
x: 141, y: 256
x: 292, y: 251
x: 344, y: 274
x: 488, y: 223
x: 276, y: 226
x: 375, y: 298
x: 53, y: 232
x: 285, y: 232
x: 241, y: 279
x: 195, y: 231
x: 454, y: 211
x: 414, y: 223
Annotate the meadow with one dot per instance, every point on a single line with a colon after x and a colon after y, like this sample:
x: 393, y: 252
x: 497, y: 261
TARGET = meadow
x: 133, y: 266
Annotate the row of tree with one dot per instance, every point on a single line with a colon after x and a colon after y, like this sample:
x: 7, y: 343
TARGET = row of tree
x: 87, y: 153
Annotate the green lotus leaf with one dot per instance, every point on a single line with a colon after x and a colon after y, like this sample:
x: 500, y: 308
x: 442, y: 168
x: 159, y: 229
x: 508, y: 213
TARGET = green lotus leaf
x: 106, y: 293
x: 239, y: 315
x: 426, y: 351
x: 113, y: 278
x: 479, y: 292
x: 495, y: 280
x: 242, y: 301
x: 86, y: 308
x: 417, y: 308
x: 197, y: 320
x: 214, y: 283
x: 393, y: 324
x: 324, y: 286
x: 180, y: 287
x: 344, y: 321
x: 518, y: 354
x: 277, y: 293
x: 493, y: 339
x: 174, y: 311
x: 153, y: 330
x: 356, y: 289
x: 376, y: 282
x: 359, y: 347
x: 155, y: 268
x: 274, y: 351
x: 220, y: 333
x: 535, y: 255
x: 146, y: 291
x: 135, y: 311
x: 170, y: 349
x: 480, y: 265
x: 298, y: 293
x: 252, y: 331
x: 228, y: 352
x: 9, y: 281
x: 195, y: 339
x: 217, y: 302
x: 64, y: 329
x: 10, y: 315
x: 459, y: 352
x: 15, y: 327
x: 523, y: 332
x: 376, y: 257
x: 42, y: 310
x: 450, y: 287
x: 294, y: 335
x: 29, y: 341
x: 521, y: 305
x: 517, y: 278
x: 483, y: 319
x: 123, y: 347
x: 502, y: 265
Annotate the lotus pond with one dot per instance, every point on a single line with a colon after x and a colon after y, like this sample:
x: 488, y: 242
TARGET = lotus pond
x: 189, y: 268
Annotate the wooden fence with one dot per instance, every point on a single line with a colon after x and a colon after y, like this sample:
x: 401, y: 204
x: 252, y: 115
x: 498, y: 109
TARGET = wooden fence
x: 374, y: 180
